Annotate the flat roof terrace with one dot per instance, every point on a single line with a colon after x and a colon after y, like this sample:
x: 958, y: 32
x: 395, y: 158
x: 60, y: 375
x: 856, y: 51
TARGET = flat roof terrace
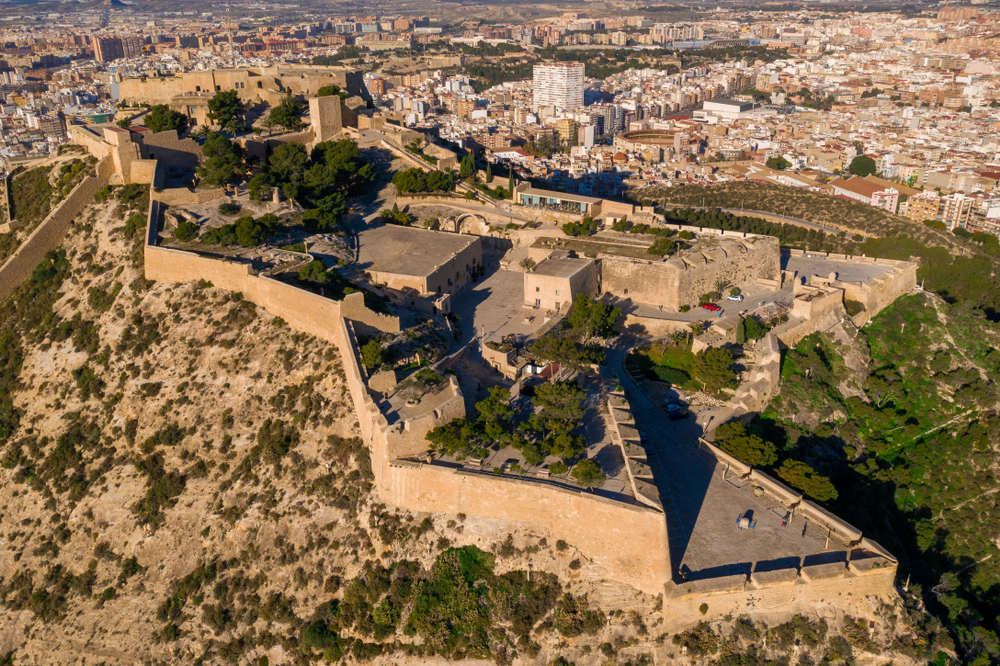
x: 562, y: 267
x: 405, y: 251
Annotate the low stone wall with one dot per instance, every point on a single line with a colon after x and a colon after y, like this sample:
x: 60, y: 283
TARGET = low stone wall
x: 754, y: 393
x: 182, y: 196
x: 50, y: 233
x: 651, y: 326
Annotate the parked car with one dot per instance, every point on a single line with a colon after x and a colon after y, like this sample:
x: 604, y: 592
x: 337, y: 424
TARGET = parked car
x: 711, y: 307
x: 735, y: 297
x: 675, y: 411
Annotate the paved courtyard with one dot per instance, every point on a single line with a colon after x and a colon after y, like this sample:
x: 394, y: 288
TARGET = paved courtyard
x: 493, y: 307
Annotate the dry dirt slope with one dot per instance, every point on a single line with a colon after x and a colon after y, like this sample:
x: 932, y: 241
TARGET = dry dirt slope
x: 154, y: 510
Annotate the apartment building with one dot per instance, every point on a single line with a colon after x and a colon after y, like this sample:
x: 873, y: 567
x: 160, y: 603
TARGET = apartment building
x: 557, y: 84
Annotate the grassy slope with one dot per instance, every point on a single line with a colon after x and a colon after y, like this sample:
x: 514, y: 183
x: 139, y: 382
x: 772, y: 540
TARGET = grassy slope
x: 915, y: 472
x: 798, y: 203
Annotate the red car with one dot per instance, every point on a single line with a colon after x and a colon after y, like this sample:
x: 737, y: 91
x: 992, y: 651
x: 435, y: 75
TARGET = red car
x: 711, y: 307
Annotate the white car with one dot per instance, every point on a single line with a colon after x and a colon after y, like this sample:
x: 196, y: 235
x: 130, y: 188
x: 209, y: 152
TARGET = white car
x: 737, y: 298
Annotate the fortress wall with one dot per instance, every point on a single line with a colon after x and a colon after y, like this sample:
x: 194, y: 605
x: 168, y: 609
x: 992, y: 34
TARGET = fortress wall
x: 628, y: 541
x: 142, y: 171
x: 616, y: 208
x: 167, y: 148
x: 9, y: 198
x: 50, y: 232
x: 303, y: 310
x: 779, y: 595
x: 408, y: 438
x: 877, y: 293
x: 353, y: 307
x: 94, y: 143
x: 618, y: 406
x: 654, y: 283
x: 739, y: 269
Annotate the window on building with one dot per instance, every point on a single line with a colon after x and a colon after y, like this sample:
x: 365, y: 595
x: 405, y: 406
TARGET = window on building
x: 557, y: 292
x: 537, y: 289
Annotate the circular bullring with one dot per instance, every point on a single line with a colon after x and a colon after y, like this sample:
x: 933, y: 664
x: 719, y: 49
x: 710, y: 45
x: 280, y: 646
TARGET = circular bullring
x: 638, y: 139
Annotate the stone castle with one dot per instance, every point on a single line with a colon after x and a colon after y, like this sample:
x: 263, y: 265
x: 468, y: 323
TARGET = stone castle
x: 631, y: 541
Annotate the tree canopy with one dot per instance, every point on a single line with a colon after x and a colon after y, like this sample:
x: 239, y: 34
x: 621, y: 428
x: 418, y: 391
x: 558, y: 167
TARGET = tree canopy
x: 162, y: 118
x: 286, y: 114
x: 779, y: 163
x: 862, y: 165
x: 714, y: 367
x: 751, y: 449
x: 322, y: 181
x: 592, y: 319
x: 801, y: 476
x: 588, y: 474
x: 223, y: 161
x: 226, y: 110
x: 415, y: 180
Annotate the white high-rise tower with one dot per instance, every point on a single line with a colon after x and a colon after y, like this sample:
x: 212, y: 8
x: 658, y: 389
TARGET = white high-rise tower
x: 558, y: 84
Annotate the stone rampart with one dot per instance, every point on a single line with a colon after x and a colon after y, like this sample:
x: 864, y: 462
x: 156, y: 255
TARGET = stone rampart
x: 8, y: 222
x: 876, y: 293
x: 50, y: 232
x: 303, y: 310
x: 762, y: 384
x: 653, y: 326
x: 628, y: 541
x: 843, y: 533
x: 768, y: 593
x: 169, y: 149
x: 630, y: 446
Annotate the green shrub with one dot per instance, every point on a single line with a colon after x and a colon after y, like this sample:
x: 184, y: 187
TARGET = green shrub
x: 186, y: 231
x: 229, y: 208
x: 670, y: 375
x: 135, y: 224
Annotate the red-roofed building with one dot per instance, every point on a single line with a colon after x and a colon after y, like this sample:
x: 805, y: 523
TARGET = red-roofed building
x: 867, y: 192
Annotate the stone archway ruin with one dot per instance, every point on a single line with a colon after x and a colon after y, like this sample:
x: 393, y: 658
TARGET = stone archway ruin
x: 473, y: 219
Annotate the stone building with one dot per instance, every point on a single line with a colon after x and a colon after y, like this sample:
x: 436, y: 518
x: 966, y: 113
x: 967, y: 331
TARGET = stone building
x: 422, y: 268
x: 626, y: 269
x: 556, y: 281
x: 189, y: 92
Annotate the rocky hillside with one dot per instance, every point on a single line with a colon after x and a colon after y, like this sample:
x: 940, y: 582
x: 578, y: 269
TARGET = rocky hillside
x: 182, y: 483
